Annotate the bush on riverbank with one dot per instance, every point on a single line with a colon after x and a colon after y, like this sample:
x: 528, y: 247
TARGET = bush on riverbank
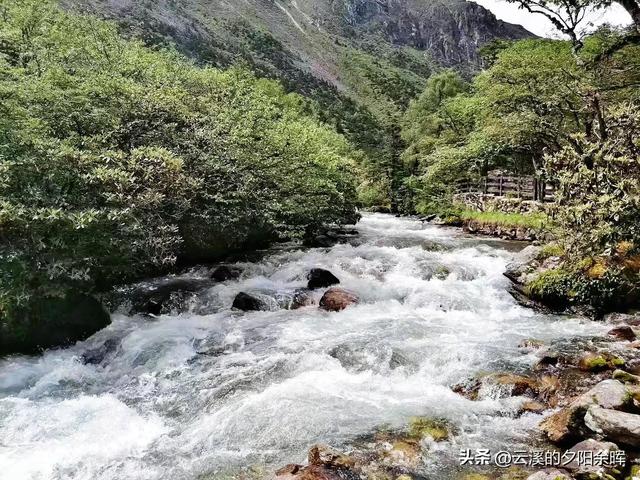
x: 117, y: 160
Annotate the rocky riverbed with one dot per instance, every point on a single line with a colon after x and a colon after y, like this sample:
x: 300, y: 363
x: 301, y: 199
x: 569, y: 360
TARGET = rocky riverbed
x: 386, y: 356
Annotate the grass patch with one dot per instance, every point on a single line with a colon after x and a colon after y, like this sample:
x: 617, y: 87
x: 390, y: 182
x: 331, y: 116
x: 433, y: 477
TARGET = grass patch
x: 537, y: 221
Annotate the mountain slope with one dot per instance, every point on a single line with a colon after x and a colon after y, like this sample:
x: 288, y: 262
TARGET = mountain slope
x: 362, y: 61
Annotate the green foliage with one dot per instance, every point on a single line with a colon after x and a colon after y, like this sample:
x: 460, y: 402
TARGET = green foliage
x: 598, y: 199
x: 535, y: 221
x: 116, y: 160
x: 552, y: 288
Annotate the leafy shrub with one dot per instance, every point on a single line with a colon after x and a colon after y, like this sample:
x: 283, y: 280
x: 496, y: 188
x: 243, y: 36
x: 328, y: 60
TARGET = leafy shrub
x: 116, y: 160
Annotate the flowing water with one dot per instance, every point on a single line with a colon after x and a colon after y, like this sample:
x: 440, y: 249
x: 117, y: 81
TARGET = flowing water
x: 208, y: 391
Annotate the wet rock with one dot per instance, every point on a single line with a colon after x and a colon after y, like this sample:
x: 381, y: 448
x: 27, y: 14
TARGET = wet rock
x: 593, y: 446
x: 162, y: 296
x: 619, y: 427
x: 367, y: 356
x: 248, y: 303
x: 97, y: 355
x: 301, y: 298
x: 225, y: 272
x: 403, y: 452
x: 520, y: 269
x: 336, y: 299
x: 530, y: 344
x: 49, y: 322
x: 324, y: 455
x: 607, y: 394
x: 551, y: 474
x: 317, y: 472
x: 632, y: 319
x: 568, y: 423
x: 468, y: 388
x: 565, y: 425
x: 590, y: 362
x: 532, y: 406
x: 436, y: 428
x: 547, y: 360
x: 623, y: 332
x: 320, y: 241
x: 320, y: 278
x: 626, y: 377
x: 499, y: 385
x: 289, y: 470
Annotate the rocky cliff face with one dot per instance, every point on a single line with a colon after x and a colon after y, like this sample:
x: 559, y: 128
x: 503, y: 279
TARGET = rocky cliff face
x: 312, y: 34
x: 362, y: 61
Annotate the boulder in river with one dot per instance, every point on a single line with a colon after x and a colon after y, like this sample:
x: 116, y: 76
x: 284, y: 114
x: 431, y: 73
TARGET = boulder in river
x: 620, y: 427
x: 321, y: 278
x: 225, y: 272
x: 326, y: 456
x: 622, y: 332
x: 336, y: 299
x: 97, y: 355
x: 569, y: 423
x: 51, y: 322
x: 586, y: 467
x: 301, y: 298
x: 158, y: 297
x: 249, y: 303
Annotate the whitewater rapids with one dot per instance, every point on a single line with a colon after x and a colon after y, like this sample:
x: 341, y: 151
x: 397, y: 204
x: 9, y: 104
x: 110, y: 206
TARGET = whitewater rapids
x: 210, y: 392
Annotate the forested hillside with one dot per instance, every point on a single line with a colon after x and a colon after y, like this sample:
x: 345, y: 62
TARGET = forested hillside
x: 362, y: 61
x: 118, y: 160
x: 568, y: 112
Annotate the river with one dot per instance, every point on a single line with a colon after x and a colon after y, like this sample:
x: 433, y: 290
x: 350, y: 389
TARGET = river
x: 208, y: 391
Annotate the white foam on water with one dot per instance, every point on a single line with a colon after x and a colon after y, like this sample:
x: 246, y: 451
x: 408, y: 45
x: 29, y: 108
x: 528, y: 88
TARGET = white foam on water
x: 187, y: 395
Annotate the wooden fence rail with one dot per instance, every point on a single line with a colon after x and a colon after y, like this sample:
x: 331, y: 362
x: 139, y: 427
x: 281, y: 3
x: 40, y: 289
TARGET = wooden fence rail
x: 524, y: 187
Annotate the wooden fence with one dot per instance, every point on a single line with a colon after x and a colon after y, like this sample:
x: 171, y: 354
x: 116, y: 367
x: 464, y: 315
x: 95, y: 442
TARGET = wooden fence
x: 524, y: 187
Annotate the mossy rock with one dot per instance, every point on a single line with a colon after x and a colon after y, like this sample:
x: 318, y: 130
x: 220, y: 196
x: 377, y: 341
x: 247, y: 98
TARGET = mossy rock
x: 52, y: 322
x: 442, y: 272
x: 475, y: 476
x: 421, y: 427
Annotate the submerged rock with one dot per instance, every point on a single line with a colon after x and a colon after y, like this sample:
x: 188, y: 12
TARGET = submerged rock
x: 500, y: 385
x: 437, y: 429
x: 326, y: 456
x: 301, y: 298
x: 248, y: 303
x: 321, y: 278
x: 225, y: 272
x: 325, y: 463
x: 530, y: 344
x: 336, y: 299
x: 97, y: 355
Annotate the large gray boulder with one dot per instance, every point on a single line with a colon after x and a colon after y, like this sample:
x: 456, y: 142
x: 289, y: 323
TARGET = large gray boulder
x: 568, y: 425
x: 589, y: 467
x: 620, y: 427
x: 607, y: 394
x: 522, y: 266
